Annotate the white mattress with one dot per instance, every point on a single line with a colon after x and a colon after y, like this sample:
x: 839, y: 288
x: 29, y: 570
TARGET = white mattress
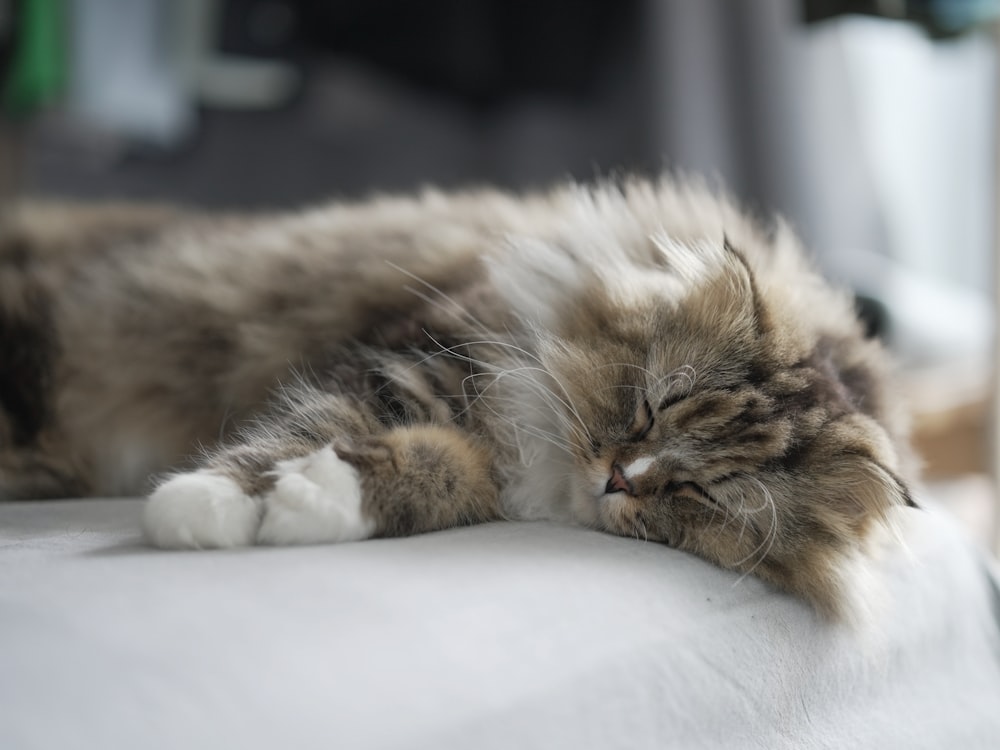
x: 497, y: 636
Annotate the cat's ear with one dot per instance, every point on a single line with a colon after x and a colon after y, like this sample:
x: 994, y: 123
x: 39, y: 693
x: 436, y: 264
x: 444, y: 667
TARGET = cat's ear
x: 720, y: 290
x: 739, y: 266
x: 847, y: 478
x: 692, y: 263
x: 852, y: 469
x: 864, y: 489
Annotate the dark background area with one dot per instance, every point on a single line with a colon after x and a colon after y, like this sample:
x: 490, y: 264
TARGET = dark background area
x: 391, y: 95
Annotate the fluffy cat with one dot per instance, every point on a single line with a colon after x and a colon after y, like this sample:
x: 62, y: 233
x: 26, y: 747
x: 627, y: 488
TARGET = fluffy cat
x: 637, y: 357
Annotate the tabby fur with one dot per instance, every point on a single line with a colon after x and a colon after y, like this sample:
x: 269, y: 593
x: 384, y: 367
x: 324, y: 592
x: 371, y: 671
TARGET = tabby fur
x: 635, y: 356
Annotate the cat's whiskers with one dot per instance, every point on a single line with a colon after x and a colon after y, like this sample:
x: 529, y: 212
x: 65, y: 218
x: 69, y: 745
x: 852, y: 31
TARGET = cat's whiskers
x: 735, y: 514
x: 727, y: 515
x: 639, y: 526
x: 552, y: 399
x: 547, y: 393
x: 685, y: 372
x: 741, y: 516
x: 460, y: 311
x: 567, y: 401
x: 556, y: 440
x: 764, y: 548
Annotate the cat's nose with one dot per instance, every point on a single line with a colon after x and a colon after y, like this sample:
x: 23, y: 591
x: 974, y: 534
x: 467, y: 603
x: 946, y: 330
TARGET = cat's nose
x: 618, y: 482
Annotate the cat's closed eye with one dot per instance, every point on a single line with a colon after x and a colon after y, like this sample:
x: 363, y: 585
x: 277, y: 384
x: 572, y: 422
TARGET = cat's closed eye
x: 691, y: 490
x: 642, y: 423
x: 669, y: 401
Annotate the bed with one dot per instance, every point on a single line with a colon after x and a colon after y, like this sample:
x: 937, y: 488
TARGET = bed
x: 506, y: 635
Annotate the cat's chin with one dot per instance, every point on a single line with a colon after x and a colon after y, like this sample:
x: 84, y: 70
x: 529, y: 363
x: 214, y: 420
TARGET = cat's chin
x: 615, y: 514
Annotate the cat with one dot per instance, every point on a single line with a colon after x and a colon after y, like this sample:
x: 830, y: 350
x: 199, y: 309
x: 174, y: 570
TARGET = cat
x: 636, y: 356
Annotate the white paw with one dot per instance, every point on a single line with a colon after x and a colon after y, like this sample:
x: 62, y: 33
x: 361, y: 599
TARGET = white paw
x: 315, y: 499
x: 200, y: 509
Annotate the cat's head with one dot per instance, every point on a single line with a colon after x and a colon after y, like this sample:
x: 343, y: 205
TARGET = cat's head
x: 714, y: 409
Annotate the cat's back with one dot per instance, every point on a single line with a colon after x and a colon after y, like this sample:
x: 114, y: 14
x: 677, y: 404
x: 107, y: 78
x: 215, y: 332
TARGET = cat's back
x: 430, y: 228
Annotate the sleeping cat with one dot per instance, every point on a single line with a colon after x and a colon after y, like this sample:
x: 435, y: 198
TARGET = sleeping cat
x: 637, y: 357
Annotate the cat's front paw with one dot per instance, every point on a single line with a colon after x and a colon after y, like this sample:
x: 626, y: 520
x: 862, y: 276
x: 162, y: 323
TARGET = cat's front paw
x: 202, y: 509
x: 315, y: 499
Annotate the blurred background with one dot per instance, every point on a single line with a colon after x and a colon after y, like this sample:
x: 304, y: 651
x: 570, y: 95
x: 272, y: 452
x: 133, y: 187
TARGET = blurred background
x: 869, y: 124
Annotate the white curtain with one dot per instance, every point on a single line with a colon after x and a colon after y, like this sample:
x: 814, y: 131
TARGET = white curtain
x: 873, y: 139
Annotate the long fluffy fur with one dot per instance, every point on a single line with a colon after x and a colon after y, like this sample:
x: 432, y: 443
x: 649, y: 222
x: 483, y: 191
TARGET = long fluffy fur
x: 636, y: 356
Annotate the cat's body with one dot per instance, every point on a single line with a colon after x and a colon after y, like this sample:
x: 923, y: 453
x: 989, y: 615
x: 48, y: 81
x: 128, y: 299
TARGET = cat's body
x: 635, y: 357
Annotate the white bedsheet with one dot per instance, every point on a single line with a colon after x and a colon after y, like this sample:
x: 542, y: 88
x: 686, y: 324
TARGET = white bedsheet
x: 498, y: 636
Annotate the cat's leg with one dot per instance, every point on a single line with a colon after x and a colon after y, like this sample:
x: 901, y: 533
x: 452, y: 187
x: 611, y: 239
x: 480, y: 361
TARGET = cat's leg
x: 221, y: 503
x: 408, y: 481
x: 405, y: 480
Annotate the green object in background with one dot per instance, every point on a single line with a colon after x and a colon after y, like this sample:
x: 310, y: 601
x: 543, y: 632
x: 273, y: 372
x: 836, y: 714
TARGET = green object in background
x: 38, y: 66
